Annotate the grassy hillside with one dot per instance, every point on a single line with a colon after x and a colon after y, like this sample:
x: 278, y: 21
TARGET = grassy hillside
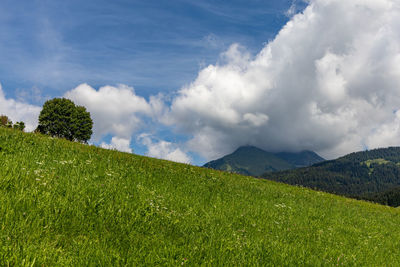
x: 63, y: 203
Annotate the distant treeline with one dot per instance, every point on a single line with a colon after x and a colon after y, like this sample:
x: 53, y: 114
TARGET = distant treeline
x: 390, y: 197
x: 6, y: 122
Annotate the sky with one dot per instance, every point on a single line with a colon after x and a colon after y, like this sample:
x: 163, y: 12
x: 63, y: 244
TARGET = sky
x: 152, y: 45
x: 190, y: 81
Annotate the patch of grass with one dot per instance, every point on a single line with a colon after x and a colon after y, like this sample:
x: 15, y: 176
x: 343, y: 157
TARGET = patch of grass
x: 64, y: 203
x: 375, y: 161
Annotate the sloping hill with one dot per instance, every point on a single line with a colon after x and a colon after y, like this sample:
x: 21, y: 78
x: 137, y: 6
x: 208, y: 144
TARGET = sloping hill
x: 355, y: 174
x: 64, y: 203
x: 301, y: 159
x: 253, y: 161
x: 249, y: 160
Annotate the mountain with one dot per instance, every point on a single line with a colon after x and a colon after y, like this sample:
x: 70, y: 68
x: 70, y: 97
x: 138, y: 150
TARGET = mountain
x: 301, y: 159
x: 357, y: 174
x: 249, y: 160
x: 253, y: 161
x: 64, y: 203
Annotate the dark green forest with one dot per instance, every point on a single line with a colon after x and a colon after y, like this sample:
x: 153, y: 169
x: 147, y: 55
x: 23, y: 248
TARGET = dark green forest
x: 390, y: 197
x: 372, y: 175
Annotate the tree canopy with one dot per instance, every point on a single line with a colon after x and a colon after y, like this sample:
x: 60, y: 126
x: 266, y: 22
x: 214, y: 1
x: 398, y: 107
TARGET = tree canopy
x: 60, y: 117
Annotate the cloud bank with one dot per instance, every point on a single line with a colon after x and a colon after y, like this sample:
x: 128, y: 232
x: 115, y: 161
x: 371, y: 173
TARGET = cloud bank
x: 163, y: 150
x: 119, y: 144
x: 19, y: 111
x: 329, y: 82
x: 114, y: 110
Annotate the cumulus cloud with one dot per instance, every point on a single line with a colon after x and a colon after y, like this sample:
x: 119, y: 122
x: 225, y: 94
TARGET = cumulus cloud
x: 114, y: 110
x: 292, y: 9
x: 19, y: 111
x: 387, y: 134
x: 120, y: 144
x: 329, y: 82
x: 163, y: 150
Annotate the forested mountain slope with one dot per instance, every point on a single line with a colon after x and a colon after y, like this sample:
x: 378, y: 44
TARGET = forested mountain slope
x: 355, y: 174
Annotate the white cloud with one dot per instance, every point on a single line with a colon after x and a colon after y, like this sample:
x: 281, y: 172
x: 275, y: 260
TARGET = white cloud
x: 120, y: 144
x: 295, y: 7
x: 385, y: 135
x: 19, y: 111
x: 114, y: 110
x: 329, y: 82
x: 292, y: 9
x: 163, y: 150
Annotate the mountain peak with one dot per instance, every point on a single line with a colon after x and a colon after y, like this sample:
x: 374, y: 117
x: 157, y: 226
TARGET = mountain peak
x: 249, y: 148
x: 251, y: 160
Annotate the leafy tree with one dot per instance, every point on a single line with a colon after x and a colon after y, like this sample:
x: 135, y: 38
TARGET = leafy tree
x: 60, y: 117
x: 5, y: 121
x: 82, y: 124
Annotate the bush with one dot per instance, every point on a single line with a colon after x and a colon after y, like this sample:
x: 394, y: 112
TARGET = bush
x: 5, y: 121
x: 20, y: 125
x: 60, y: 117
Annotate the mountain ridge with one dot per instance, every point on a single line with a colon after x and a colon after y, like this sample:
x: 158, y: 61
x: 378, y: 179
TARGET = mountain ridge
x: 364, y: 174
x: 253, y: 161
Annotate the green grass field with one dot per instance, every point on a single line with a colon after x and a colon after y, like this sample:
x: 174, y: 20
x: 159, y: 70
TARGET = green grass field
x: 64, y: 203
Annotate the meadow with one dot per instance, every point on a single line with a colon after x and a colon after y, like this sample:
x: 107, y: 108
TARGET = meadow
x: 64, y: 203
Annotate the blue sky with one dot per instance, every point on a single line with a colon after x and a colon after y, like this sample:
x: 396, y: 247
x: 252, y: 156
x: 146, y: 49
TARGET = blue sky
x: 50, y: 47
x: 150, y: 45
x: 191, y: 81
